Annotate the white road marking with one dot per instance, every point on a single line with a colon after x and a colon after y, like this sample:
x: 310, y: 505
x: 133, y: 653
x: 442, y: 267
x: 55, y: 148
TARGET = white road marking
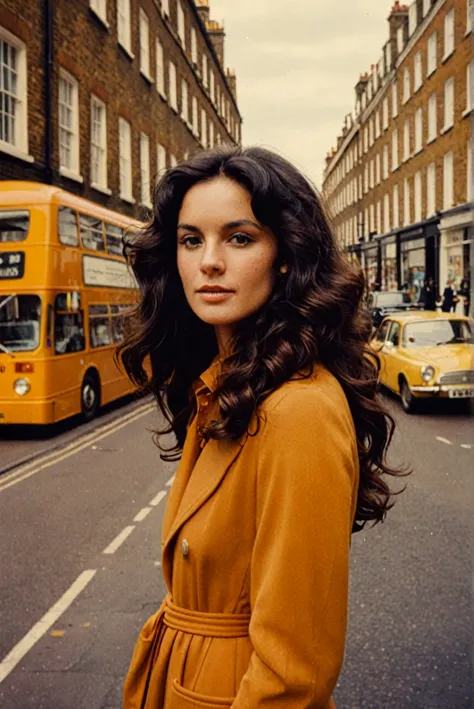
x: 170, y: 482
x: 140, y: 516
x: 443, y: 440
x: 25, y: 473
x: 157, y: 499
x: 466, y: 445
x: 44, y: 624
x: 119, y: 539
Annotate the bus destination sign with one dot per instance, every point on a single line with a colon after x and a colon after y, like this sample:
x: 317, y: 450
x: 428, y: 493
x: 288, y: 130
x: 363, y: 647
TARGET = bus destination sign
x: 12, y: 264
x: 107, y: 273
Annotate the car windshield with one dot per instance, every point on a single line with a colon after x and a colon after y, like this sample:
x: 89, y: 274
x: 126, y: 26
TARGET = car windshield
x: 437, y: 332
x: 19, y: 322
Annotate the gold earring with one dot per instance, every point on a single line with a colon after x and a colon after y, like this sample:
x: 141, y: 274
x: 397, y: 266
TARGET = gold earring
x: 284, y: 268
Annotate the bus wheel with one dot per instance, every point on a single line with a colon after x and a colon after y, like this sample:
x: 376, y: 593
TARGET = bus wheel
x: 89, y: 397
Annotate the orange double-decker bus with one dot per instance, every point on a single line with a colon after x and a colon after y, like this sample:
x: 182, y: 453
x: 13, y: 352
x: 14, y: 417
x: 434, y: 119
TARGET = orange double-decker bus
x: 64, y: 288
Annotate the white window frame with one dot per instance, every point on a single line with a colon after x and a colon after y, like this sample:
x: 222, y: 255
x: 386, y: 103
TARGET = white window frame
x: 386, y: 213
x: 18, y: 146
x: 418, y: 196
x: 378, y: 225
x: 448, y: 34
x: 406, y: 202
x: 385, y: 113
x: 377, y: 169
x: 448, y: 180
x: 406, y: 140
x: 73, y: 170
x: 205, y: 70
x: 144, y: 39
x: 395, y: 207
x: 160, y: 160
x: 377, y: 124
x: 185, y: 101
x: 125, y: 160
x: 173, y: 87
x: 194, y: 47
x: 431, y: 189
x: 195, y: 112
x: 173, y: 160
x: 165, y: 8
x: 470, y: 173
x: 395, y: 150
x: 418, y: 72
x: 400, y: 39
x: 99, y: 8
x: 160, y: 68
x: 426, y: 7
x: 212, y: 88
x: 468, y: 18
x: 469, y: 88
x: 406, y: 85
x: 99, y: 146
x: 145, y: 178
x: 181, y: 23
x: 211, y: 133
x: 385, y: 163
x: 412, y: 18
x: 394, y: 99
x: 124, y: 26
x: 204, y: 138
x: 418, y: 130
x: 432, y: 54
x: 432, y: 117
x: 448, y: 117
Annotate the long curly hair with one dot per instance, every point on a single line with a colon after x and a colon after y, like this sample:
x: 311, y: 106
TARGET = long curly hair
x: 314, y: 313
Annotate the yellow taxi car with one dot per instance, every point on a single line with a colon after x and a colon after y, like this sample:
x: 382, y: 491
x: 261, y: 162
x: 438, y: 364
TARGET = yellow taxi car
x: 426, y: 354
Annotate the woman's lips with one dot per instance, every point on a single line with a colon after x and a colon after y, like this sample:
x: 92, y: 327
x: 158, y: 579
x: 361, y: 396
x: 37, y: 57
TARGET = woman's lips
x: 215, y: 296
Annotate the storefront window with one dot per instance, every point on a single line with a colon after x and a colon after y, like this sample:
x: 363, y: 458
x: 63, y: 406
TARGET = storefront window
x: 413, y: 268
x: 389, y: 267
x: 370, y: 267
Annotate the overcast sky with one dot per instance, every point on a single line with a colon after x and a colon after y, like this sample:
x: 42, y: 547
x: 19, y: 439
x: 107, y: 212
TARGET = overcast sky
x: 297, y: 62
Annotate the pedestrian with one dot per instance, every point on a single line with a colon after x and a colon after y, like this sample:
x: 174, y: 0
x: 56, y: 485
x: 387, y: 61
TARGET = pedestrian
x: 465, y: 293
x: 252, y: 323
x: 450, y: 297
x: 428, y: 295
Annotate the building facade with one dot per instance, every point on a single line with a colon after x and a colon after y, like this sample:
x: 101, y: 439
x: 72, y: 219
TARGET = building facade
x: 400, y: 183
x: 100, y: 96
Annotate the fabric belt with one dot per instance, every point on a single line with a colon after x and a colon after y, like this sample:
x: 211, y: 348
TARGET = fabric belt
x: 215, y: 625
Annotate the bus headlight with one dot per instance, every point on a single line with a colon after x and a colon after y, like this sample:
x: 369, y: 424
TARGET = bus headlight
x: 427, y: 373
x: 21, y: 386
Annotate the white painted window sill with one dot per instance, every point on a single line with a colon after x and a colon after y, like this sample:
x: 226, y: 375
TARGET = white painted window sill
x: 101, y: 19
x: 127, y: 198
x: 446, y: 129
x: 430, y: 73
x: 446, y: 56
x: 467, y: 111
x: 431, y: 140
x: 15, y: 152
x: 101, y: 188
x: 71, y: 175
x: 418, y: 151
x: 127, y: 51
x: 394, y: 169
x: 146, y: 76
x: 468, y: 31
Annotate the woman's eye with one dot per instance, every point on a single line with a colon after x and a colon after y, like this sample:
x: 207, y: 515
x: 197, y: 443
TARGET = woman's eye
x: 241, y: 239
x: 190, y: 242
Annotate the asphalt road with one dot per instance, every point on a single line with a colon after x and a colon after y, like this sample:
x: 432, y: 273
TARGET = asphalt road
x: 80, y: 573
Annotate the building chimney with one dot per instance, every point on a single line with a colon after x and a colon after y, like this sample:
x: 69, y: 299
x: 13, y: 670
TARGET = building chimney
x: 361, y: 86
x: 202, y: 7
x: 398, y: 18
x: 217, y: 35
x: 232, y: 81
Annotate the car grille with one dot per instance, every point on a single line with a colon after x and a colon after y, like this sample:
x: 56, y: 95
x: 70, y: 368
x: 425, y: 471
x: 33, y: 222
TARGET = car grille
x: 461, y: 377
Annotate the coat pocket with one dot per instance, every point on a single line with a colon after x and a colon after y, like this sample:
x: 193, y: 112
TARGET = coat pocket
x: 182, y: 698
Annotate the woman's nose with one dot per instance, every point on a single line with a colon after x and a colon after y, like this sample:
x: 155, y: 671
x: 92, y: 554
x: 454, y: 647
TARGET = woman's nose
x: 212, y: 261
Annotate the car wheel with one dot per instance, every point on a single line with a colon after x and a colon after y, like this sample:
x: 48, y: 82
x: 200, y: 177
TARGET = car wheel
x: 89, y: 397
x: 408, y: 400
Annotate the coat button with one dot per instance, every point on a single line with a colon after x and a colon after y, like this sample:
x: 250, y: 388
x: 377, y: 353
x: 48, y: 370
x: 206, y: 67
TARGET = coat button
x: 185, y: 548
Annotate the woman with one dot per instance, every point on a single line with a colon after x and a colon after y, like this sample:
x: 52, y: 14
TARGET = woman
x: 252, y: 323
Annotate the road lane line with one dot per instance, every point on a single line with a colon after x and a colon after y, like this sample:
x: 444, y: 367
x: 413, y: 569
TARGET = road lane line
x: 44, y: 624
x: 170, y: 481
x: 466, y: 445
x: 119, y: 539
x: 443, y: 440
x: 77, y: 449
x: 88, y: 437
x: 140, y: 516
x: 157, y: 499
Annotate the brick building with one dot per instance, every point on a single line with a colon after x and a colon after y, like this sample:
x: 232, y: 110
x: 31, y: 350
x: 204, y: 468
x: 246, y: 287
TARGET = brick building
x: 99, y: 96
x: 399, y: 184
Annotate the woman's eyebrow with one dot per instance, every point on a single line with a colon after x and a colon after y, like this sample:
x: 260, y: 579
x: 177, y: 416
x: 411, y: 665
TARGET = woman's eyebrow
x: 230, y: 225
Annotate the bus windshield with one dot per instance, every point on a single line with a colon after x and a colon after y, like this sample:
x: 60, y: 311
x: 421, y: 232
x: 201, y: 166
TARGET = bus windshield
x: 19, y: 322
x: 14, y: 225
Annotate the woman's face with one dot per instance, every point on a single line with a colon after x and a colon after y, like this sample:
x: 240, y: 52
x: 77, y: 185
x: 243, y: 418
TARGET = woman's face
x: 225, y: 256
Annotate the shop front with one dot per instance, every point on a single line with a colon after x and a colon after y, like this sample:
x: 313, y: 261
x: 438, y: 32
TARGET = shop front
x: 457, y: 255
x: 388, y: 259
x: 418, y: 258
x: 371, y: 265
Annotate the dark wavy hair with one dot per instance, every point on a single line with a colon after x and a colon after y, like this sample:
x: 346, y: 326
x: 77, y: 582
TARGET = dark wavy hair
x: 314, y: 313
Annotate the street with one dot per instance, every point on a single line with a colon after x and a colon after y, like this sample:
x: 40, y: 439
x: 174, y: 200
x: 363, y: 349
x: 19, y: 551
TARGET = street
x: 80, y: 567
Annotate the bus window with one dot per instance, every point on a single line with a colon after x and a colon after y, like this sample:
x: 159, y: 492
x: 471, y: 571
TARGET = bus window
x: 99, y: 326
x: 68, y: 327
x: 119, y: 315
x: 19, y: 322
x: 14, y: 225
x: 67, y: 227
x: 92, y: 233
x: 114, y: 236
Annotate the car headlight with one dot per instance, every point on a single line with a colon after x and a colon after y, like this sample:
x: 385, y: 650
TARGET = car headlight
x: 21, y: 386
x: 427, y: 373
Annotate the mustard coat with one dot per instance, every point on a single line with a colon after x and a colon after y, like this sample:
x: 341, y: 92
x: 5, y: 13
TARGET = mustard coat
x: 256, y: 539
